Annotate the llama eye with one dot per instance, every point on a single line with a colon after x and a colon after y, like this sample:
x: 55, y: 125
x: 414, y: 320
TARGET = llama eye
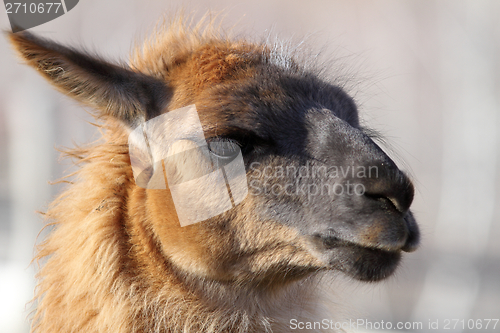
x: 224, y: 148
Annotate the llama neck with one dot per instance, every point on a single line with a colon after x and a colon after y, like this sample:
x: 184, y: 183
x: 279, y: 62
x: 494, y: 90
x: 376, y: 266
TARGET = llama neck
x: 184, y: 302
x: 221, y: 307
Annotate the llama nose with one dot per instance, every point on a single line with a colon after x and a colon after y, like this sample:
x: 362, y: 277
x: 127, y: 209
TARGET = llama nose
x: 392, y: 187
x: 394, y: 192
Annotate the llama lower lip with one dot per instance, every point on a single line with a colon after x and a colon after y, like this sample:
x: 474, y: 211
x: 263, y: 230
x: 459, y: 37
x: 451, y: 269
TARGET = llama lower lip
x: 366, y: 264
x: 359, y: 262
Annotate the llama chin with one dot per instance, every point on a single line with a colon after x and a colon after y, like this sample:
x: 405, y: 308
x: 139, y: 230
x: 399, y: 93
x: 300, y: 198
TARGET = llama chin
x: 121, y: 259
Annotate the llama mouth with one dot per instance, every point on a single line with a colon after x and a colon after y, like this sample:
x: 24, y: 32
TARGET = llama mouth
x: 360, y: 262
x: 367, y: 264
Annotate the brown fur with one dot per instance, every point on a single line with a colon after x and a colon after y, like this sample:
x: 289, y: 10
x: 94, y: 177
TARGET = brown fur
x: 106, y: 270
x: 118, y: 259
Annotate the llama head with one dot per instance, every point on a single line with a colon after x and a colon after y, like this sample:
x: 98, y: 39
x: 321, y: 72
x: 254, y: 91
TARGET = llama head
x: 321, y: 194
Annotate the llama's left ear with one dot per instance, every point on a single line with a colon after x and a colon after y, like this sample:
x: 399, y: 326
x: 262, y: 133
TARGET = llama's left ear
x: 112, y: 89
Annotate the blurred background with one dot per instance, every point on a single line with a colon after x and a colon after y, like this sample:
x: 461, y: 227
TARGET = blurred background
x: 426, y: 74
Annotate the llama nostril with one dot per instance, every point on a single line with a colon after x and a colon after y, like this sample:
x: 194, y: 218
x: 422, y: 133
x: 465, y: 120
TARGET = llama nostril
x: 393, y: 188
x: 388, y: 200
x: 396, y: 204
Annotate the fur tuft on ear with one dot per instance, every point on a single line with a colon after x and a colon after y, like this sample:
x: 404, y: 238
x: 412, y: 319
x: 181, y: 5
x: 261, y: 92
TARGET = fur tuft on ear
x: 113, y: 90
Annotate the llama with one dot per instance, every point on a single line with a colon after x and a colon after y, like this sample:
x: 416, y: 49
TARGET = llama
x: 118, y: 258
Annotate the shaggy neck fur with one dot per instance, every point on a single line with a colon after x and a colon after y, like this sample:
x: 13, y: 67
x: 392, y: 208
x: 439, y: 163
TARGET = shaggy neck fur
x: 105, y: 270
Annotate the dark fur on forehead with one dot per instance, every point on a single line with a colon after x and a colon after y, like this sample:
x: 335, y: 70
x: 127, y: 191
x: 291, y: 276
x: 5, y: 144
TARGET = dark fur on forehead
x: 272, y: 104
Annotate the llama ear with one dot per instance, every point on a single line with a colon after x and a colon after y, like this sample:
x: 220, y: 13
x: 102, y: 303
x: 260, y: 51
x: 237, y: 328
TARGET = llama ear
x: 113, y: 90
